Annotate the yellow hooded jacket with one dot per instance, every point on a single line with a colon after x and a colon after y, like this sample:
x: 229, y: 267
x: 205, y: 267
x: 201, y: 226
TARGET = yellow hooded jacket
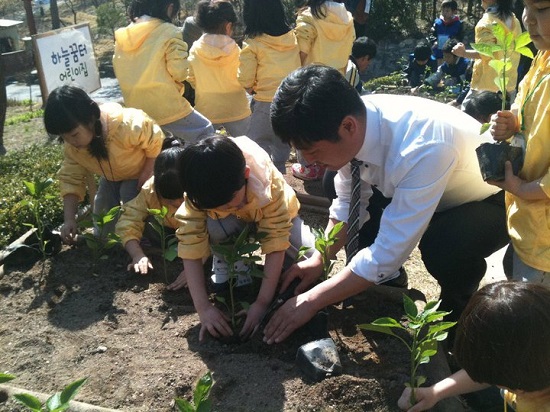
x: 271, y: 203
x: 150, y: 63
x: 132, y: 221
x: 265, y: 61
x: 213, y: 66
x: 483, y: 75
x: 529, y: 220
x: 329, y: 40
x: 132, y: 136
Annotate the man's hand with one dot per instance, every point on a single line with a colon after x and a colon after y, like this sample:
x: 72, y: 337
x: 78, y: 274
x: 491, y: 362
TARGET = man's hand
x: 308, y: 271
x: 180, y: 282
x: 503, y: 125
x: 140, y: 265
x: 296, y: 312
x: 215, y: 322
x: 425, y: 399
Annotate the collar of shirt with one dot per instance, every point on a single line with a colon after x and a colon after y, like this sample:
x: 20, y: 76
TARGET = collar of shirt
x: 371, y: 151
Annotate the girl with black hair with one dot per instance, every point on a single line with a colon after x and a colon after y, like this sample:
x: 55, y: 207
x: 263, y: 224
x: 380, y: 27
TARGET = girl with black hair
x: 150, y: 63
x: 163, y: 189
x: 119, y: 144
x: 213, y: 66
x: 270, y: 52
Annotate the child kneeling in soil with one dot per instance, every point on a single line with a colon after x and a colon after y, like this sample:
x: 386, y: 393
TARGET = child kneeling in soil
x: 163, y: 189
x: 501, y: 320
x: 230, y: 183
x: 118, y: 144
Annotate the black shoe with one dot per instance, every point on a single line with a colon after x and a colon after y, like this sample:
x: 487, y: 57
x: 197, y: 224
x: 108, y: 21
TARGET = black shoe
x: 401, y: 281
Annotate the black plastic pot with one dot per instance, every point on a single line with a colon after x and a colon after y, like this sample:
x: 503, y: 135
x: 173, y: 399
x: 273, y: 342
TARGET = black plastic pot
x: 492, y: 156
x: 319, y: 359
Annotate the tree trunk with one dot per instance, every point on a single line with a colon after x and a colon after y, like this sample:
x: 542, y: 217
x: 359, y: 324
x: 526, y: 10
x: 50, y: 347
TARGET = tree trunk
x: 3, y: 106
x: 30, y: 17
x: 56, y: 23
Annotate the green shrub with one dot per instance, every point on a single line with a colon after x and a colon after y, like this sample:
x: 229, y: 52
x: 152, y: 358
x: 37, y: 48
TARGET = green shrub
x: 34, y: 162
x: 393, y: 20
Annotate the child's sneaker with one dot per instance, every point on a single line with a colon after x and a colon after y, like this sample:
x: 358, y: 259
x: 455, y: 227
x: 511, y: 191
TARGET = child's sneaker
x: 220, y: 272
x: 310, y: 172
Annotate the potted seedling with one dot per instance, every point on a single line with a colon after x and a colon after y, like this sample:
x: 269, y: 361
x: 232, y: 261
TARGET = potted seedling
x: 426, y: 329
x: 242, y: 250
x: 168, y: 242
x: 492, y: 157
x: 37, y: 190
x: 201, y: 396
x: 104, y: 240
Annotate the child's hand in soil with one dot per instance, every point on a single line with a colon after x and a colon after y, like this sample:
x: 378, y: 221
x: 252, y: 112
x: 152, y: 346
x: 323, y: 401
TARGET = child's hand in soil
x: 253, y: 316
x: 425, y: 399
x: 215, y: 322
x: 69, y: 230
x: 180, y: 282
x: 308, y: 271
x: 141, y: 266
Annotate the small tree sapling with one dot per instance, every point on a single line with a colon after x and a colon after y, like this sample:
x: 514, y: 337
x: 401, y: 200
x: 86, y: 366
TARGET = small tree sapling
x: 323, y: 242
x: 424, y: 343
x: 168, y: 243
x: 103, y: 241
x: 58, y: 402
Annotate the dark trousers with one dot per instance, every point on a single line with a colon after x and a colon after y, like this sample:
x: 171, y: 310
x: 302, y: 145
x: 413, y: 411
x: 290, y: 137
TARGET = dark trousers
x: 454, y: 246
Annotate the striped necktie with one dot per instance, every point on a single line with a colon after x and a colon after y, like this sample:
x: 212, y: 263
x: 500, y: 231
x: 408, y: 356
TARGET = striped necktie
x: 352, y: 245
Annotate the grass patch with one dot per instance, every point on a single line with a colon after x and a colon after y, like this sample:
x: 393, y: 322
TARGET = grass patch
x: 24, y: 118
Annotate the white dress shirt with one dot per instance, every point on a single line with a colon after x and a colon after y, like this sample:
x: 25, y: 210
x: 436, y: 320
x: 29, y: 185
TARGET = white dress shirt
x: 420, y: 153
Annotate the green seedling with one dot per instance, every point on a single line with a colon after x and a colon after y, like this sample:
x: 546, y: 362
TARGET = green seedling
x: 507, y: 44
x: 201, y: 394
x: 55, y: 403
x: 103, y: 241
x: 6, y: 377
x: 37, y: 191
x: 424, y: 343
x: 168, y: 243
x: 323, y: 242
x: 240, y: 249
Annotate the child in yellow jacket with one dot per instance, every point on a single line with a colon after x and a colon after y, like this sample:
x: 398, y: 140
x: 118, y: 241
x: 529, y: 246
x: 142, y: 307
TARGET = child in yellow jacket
x: 230, y: 183
x: 119, y: 144
x: 270, y: 52
x: 528, y: 193
x: 213, y: 66
x: 163, y: 189
x: 150, y: 63
x: 325, y: 35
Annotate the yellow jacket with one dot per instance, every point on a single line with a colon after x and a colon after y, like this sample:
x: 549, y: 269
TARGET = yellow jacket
x: 329, y: 40
x: 271, y: 203
x: 483, y: 75
x: 265, y: 61
x: 132, y: 221
x: 529, y: 220
x: 150, y: 63
x: 132, y: 136
x: 213, y: 66
x: 521, y: 404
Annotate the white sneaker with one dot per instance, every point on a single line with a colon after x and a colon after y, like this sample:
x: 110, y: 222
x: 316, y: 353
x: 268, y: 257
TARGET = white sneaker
x: 220, y: 271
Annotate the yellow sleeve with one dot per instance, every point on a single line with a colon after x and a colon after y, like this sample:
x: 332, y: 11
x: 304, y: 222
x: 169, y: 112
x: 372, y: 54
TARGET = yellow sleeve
x: 193, y: 240
x: 191, y: 74
x: 144, y: 133
x: 277, y: 218
x: 131, y: 223
x: 176, y: 59
x: 306, y: 33
x: 72, y: 178
x: 248, y: 66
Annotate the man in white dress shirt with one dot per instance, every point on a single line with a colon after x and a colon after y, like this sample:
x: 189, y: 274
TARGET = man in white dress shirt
x: 419, y: 153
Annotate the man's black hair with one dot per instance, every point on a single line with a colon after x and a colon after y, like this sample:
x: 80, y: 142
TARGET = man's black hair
x: 363, y: 46
x: 422, y: 52
x: 310, y: 105
x: 211, y: 171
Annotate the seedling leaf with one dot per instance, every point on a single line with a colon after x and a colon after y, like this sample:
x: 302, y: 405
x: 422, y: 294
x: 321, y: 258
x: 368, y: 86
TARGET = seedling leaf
x: 6, y: 377
x: 29, y: 401
x: 202, y: 391
x: 410, y: 308
x: 184, y: 405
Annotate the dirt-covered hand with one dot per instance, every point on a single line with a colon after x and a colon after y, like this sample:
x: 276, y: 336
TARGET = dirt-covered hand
x: 140, y: 265
x: 296, y: 312
x: 503, y: 125
x: 69, y: 231
x: 308, y: 270
x: 180, y: 282
x: 215, y: 322
x: 253, y: 317
x: 425, y: 399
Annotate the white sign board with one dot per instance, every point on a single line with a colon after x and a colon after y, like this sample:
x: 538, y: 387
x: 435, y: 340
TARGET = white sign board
x: 66, y: 56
